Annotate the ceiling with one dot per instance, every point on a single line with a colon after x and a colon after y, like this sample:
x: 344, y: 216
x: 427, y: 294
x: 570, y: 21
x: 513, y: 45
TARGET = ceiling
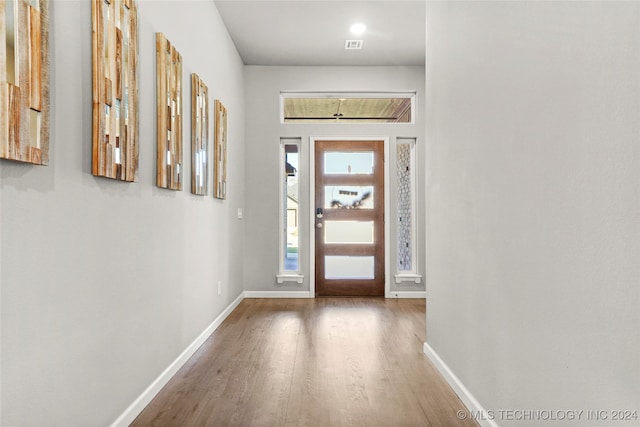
x: 312, y: 32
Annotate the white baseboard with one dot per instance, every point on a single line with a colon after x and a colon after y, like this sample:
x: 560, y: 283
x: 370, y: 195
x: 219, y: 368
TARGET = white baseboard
x: 143, y: 400
x: 277, y: 294
x: 307, y: 294
x: 406, y: 294
x: 473, y: 406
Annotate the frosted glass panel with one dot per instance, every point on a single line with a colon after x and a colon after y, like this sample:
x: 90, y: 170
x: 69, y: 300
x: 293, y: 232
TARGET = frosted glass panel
x: 349, y: 267
x: 359, y: 232
x: 404, y: 207
x: 344, y: 197
x: 360, y: 163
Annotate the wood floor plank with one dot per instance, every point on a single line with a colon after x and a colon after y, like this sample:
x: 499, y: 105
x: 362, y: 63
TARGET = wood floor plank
x: 311, y: 362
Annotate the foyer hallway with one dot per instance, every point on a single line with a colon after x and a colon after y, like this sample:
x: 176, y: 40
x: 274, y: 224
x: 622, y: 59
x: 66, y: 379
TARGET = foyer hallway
x: 311, y: 362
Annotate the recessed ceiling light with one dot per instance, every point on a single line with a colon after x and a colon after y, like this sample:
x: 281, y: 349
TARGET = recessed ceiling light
x: 358, y: 28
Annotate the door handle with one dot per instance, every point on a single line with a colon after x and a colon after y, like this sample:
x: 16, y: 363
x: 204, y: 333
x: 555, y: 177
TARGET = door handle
x: 319, y: 213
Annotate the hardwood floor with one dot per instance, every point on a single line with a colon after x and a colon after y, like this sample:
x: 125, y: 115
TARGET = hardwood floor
x: 311, y: 362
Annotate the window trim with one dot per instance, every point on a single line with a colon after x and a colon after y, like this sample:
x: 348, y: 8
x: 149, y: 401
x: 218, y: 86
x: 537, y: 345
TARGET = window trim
x: 338, y: 94
x: 284, y: 275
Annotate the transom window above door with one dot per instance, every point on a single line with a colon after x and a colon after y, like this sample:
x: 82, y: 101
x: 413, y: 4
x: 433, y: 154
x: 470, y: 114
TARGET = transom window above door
x: 342, y: 107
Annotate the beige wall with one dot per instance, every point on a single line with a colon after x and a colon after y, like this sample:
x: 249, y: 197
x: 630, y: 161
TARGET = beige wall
x: 103, y: 283
x: 533, y: 226
x: 264, y: 131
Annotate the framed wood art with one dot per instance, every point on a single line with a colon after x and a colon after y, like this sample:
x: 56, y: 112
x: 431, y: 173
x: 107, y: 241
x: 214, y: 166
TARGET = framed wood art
x: 169, y: 110
x: 220, y: 150
x: 24, y: 81
x: 199, y: 136
x: 115, y: 89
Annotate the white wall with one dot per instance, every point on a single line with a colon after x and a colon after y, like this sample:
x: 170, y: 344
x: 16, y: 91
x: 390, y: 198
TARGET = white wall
x: 533, y: 251
x: 105, y: 283
x: 264, y: 130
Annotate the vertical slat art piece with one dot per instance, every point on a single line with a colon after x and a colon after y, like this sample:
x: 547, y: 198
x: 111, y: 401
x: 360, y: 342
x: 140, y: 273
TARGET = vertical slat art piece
x: 24, y: 81
x: 115, y: 89
x: 199, y: 136
x: 220, y: 150
x: 169, y: 99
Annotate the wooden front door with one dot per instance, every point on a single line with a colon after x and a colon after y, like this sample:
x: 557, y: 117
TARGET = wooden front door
x: 349, y: 218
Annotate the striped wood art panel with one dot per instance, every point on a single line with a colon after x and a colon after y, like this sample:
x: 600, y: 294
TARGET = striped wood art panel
x: 169, y: 103
x: 115, y: 89
x: 220, y: 150
x: 199, y: 136
x: 24, y: 81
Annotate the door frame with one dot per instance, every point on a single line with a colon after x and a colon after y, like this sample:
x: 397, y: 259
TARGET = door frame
x: 312, y: 197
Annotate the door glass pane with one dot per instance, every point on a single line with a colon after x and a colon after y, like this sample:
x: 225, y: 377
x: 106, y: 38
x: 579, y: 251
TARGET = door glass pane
x: 357, y: 232
x: 358, y: 163
x: 348, y: 197
x: 349, y: 267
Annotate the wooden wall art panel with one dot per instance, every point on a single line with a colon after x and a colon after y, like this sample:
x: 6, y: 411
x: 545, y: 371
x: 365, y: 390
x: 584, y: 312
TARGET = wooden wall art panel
x: 199, y: 136
x: 115, y: 89
x: 169, y: 99
x: 220, y: 150
x: 24, y: 81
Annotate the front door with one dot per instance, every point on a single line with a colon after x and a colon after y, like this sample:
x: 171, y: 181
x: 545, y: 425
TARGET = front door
x: 349, y: 218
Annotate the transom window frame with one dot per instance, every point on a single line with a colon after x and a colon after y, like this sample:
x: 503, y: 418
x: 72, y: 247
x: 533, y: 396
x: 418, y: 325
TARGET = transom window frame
x: 348, y: 95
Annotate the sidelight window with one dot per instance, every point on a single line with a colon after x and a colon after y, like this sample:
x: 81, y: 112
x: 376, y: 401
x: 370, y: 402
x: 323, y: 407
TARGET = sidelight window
x: 406, y: 230
x: 289, y: 211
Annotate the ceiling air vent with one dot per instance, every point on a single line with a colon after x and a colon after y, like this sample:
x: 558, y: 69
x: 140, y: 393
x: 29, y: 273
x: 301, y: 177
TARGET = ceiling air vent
x: 353, y: 44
